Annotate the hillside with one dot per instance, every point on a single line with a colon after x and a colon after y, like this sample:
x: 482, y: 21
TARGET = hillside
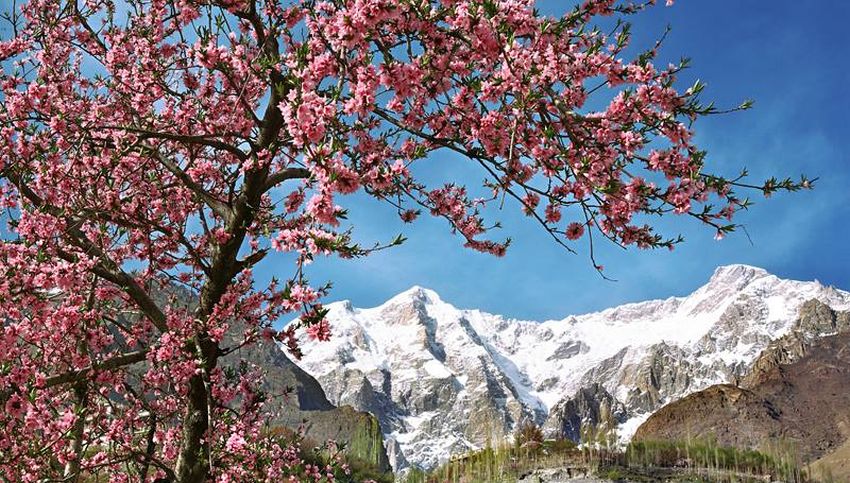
x: 795, y: 395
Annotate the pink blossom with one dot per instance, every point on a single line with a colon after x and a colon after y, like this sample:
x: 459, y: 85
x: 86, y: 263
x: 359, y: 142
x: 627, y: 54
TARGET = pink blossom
x: 15, y: 406
x: 235, y: 443
x: 575, y: 231
x: 320, y: 331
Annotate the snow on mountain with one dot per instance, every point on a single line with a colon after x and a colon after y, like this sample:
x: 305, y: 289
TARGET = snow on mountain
x: 443, y: 380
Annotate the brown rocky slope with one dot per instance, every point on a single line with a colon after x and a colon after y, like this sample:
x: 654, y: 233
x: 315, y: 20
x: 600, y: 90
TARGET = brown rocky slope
x: 797, y: 395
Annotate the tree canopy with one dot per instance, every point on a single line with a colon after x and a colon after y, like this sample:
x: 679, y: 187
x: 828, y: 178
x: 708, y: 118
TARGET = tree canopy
x: 152, y: 144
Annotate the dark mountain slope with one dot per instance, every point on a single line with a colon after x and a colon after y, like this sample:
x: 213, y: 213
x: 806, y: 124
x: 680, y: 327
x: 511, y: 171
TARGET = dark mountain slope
x: 299, y: 400
x: 798, y: 394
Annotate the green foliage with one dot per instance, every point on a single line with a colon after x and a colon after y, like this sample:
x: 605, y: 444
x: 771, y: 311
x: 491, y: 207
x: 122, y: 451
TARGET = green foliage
x: 363, y: 471
x: 613, y: 474
x: 781, y: 461
x: 503, y: 463
x: 367, y: 442
x: 529, y: 436
x: 646, y: 461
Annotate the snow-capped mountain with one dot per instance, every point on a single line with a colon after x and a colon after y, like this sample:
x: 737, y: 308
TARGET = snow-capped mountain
x: 443, y: 380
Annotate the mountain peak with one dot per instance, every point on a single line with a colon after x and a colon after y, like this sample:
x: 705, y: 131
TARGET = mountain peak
x: 738, y: 272
x: 416, y: 293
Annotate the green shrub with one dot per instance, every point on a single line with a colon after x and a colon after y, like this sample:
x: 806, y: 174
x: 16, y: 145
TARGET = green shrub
x: 613, y: 474
x: 528, y: 435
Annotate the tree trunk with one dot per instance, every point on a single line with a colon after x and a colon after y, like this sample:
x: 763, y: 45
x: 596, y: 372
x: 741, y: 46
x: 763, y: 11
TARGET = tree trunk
x: 71, y: 472
x: 193, y: 462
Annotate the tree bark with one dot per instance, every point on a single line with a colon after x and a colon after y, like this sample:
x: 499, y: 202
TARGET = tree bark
x: 150, y: 449
x: 71, y: 472
x: 193, y: 462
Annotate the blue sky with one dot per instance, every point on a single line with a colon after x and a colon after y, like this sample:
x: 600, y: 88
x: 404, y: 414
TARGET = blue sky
x: 787, y: 56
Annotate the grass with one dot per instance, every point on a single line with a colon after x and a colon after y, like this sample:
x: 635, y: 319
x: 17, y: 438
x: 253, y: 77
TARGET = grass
x: 642, y: 461
x: 706, y: 456
x: 499, y: 464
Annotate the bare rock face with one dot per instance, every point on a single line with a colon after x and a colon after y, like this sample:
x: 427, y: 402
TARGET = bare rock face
x: 796, y: 392
x: 442, y: 380
x: 816, y: 320
x: 646, y: 379
x: 591, y: 410
x: 687, y: 419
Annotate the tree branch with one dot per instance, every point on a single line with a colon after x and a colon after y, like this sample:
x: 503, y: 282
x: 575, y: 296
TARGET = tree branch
x: 203, y: 140
x: 116, y: 362
x: 285, y: 174
x: 220, y: 208
x: 106, y: 268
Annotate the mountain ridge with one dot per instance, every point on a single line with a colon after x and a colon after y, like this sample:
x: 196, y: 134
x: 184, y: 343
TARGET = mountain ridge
x: 443, y: 380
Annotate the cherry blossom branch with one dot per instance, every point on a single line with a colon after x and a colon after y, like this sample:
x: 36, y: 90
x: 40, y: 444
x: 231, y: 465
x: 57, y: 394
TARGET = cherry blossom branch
x: 107, y: 365
x: 285, y: 174
x: 209, y: 140
x: 218, y: 207
x: 106, y: 269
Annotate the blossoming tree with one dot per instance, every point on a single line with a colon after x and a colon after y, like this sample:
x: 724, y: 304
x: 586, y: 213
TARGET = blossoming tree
x: 152, y: 143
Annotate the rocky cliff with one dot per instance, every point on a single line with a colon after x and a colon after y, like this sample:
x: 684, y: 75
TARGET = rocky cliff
x: 796, y: 394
